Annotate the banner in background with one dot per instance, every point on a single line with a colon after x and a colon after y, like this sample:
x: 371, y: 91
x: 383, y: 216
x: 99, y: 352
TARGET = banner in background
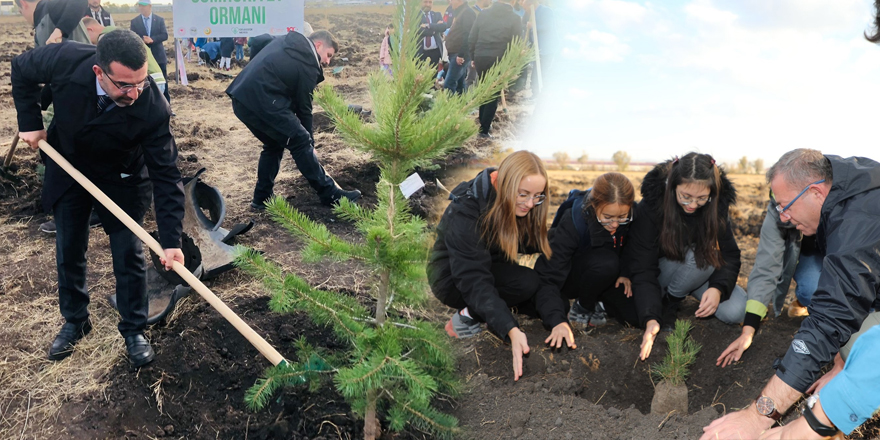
x: 237, y: 18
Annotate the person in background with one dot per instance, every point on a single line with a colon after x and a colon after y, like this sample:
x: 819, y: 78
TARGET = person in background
x: 494, y: 29
x: 96, y: 31
x: 227, y: 44
x: 474, y: 265
x: 55, y: 20
x: 479, y: 6
x: 100, y: 14
x: 587, y: 238
x: 385, y: 51
x: 239, y: 47
x: 683, y: 244
x: 210, y: 53
x: 256, y: 44
x: 431, y: 34
x: 463, y: 18
x: 151, y: 28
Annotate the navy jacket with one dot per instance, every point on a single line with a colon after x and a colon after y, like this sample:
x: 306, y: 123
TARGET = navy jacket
x: 134, y: 140
x: 158, y: 33
x: 849, y: 234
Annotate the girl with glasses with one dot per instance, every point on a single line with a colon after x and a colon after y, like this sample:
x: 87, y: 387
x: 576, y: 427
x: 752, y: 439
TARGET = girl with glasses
x: 683, y: 245
x: 587, y: 238
x: 491, y: 221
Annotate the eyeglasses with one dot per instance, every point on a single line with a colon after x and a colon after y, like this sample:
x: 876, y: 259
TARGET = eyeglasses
x: 619, y: 221
x: 125, y: 88
x: 687, y: 200
x: 522, y: 199
x: 782, y: 210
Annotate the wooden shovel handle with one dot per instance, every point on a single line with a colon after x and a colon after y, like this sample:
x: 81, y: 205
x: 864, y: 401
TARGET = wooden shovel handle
x: 8, y: 159
x: 256, y: 340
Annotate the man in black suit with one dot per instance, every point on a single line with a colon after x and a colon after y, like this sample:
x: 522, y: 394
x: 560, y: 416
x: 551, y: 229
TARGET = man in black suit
x: 114, y: 126
x: 273, y: 97
x: 100, y: 14
x: 431, y: 34
x: 152, y: 29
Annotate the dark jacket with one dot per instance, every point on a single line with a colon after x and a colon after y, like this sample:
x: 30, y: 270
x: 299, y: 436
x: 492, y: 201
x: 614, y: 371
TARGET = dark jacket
x: 849, y: 234
x: 461, y: 258
x: 493, y: 30
x: 227, y: 45
x: 102, y: 16
x: 435, y: 29
x: 258, y: 43
x: 158, y: 33
x: 62, y: 14
x: 134, y: 140
x: 643, y: 250
x: 463, y: 20
x: 277, y: 87
x: 566, y: 242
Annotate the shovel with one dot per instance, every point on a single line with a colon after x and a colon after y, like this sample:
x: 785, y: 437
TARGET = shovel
x: 4, y: 167
x: 256, y: 340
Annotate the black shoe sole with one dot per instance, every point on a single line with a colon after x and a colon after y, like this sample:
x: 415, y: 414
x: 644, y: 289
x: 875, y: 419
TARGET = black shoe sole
x: 143, y: 362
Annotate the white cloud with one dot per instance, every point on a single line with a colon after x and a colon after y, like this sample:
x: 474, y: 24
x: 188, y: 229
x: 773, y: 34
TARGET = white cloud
x: 596, y: 46
x: 702, y: 10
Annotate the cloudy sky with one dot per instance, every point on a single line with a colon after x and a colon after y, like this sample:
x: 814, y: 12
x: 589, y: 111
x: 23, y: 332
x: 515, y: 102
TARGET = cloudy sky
x: 731, y: 78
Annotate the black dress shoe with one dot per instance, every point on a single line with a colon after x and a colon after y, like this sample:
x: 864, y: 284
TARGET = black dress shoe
x: 139, y: 351
x: 353, y: 196
x: 67, y: 338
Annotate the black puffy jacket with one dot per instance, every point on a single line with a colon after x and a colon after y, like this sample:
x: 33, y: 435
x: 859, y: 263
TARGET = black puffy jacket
x: 643, y: 251
x: 849, y: 234
x: 461, y: 256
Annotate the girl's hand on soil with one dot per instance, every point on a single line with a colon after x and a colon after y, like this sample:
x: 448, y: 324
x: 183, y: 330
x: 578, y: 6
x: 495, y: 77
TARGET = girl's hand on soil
x: 519, y: 346
x: 709, y: 303
x: 627, y: 286
x: 560, y: 333
x: 651, y: 330
x: 736, y: 348
x: 837, y: 368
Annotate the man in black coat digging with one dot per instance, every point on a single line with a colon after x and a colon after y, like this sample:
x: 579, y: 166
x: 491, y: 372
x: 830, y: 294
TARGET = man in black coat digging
x: 113, y: 126
x: 273, y: 97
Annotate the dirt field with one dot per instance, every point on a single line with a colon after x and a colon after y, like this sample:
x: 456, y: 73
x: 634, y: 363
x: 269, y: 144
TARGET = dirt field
x: 195, y: 387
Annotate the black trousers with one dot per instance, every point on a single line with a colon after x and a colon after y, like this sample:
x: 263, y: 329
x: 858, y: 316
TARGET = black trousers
x: 516, y: 285
x: 72, y: 212
x: 487, y: 110
x: 164, y: 68
x: 432, y: 55
x: 592, y: 277
x: 274, y: 144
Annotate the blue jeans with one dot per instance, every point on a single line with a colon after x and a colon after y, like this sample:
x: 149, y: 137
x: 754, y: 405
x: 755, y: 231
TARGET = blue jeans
x: 239, y: 51
x: 456, y: 74
x: 809, y: 268
x: 683, y: 278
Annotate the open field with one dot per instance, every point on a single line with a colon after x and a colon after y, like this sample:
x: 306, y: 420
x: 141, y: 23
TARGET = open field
x: 195, y: 387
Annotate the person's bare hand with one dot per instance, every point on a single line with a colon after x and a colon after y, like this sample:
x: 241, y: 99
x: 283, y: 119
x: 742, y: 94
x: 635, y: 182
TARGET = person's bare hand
x: 560, y: 333
x: 799, y: 429
x: 474, y: 65
x: 651, y: 330
x: 147, y: 39
x: 709, y: 303
x: 172, y: 255
x: 736, y: 348
x: 459, y: 61
x: 519, y: 346
x: 55, y: 37
x: 819, y: 384
x: 627, y: 286
x: 737, y: 425
x: 32, y: 138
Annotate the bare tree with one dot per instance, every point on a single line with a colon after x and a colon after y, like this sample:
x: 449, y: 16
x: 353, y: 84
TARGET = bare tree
x: 622, y: 159
x: 758, y: 166
x: 584, y: 160
x: 744, y: 165
x: 562, y: 158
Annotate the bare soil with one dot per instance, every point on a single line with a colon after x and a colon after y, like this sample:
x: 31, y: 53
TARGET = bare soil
x: 195, y: 387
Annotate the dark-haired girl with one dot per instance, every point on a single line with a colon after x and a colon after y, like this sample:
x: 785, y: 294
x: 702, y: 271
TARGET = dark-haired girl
x: 683, y: 245
x: 587, y: 237
x: 474, y: 268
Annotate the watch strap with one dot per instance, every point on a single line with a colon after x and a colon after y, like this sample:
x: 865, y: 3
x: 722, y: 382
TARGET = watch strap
x: 775, y: 415
x: 817, y: 426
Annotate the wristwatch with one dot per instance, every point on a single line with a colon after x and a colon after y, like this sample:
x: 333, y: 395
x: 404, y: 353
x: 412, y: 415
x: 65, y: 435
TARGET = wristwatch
x: 817, y: 426
x: 767, y: 408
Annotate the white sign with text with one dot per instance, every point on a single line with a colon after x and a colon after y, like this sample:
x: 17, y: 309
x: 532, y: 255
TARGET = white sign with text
x: 237, y: 18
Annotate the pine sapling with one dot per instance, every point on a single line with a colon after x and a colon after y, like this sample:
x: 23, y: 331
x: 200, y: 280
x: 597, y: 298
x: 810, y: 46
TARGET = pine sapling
x: 681, y: 354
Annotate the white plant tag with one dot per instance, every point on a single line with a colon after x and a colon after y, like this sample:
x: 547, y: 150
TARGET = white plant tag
x: 412, y: 184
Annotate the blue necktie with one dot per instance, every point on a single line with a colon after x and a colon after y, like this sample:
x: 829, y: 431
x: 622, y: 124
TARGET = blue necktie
x: 103, y: 102
x: 147, y: 25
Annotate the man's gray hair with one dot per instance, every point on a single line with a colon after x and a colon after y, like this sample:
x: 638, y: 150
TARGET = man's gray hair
x: 801, y: 167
